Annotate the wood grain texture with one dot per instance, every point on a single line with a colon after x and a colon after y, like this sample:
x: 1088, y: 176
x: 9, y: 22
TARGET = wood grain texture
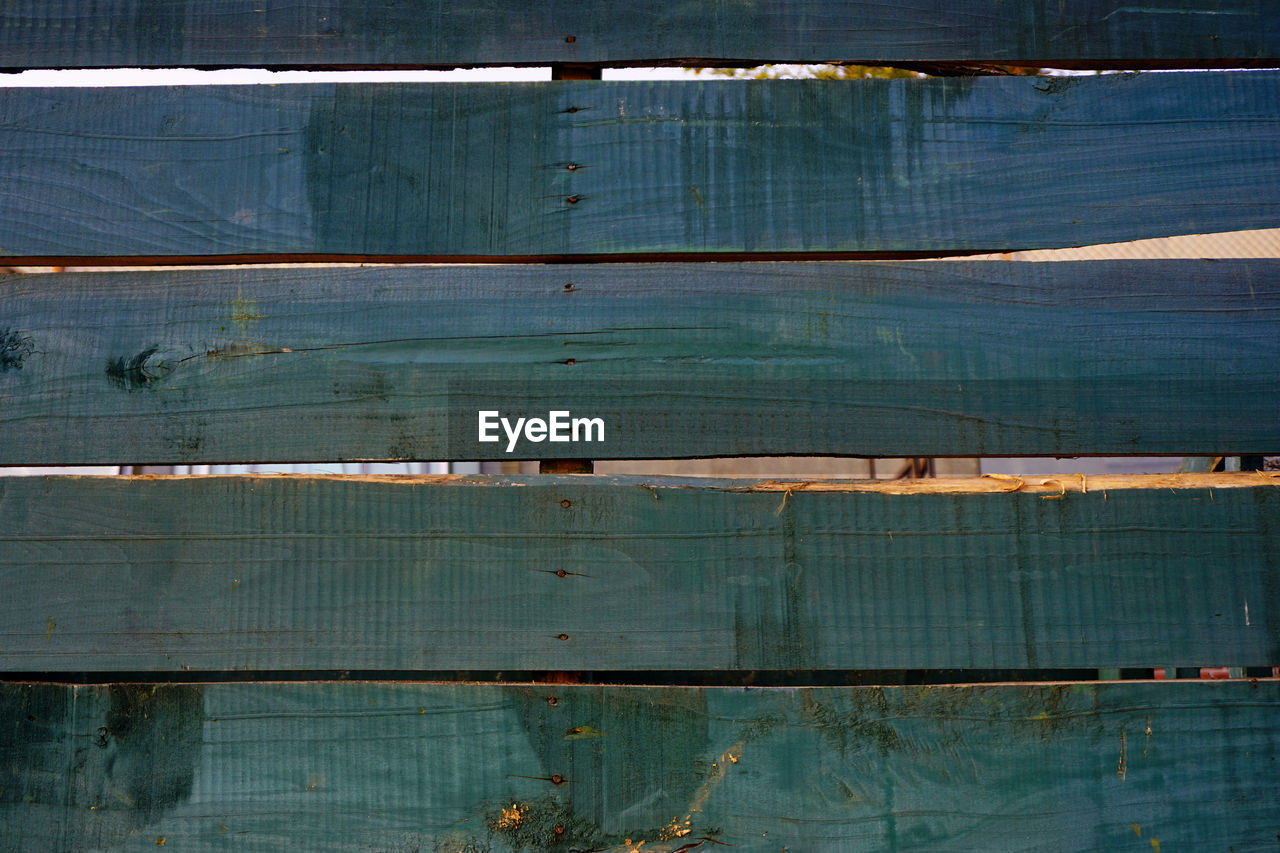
x: 295, y: 573
x: 283, y: 33
x: 718, y: 167
x: 874, y: 359
x: 412, y: 767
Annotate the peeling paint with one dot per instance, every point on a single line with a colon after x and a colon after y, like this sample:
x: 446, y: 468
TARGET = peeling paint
x: 854, y: 727
x: 718, y: 770
x: 541, y: 824
x: 509, y: 818
x: 582, y: 733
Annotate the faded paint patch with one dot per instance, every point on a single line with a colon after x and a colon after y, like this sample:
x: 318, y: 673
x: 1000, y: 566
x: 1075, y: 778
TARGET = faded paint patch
x: 893, y: 338
x: 154, y: 734
x: 242, y: 314
x: 111, y: 760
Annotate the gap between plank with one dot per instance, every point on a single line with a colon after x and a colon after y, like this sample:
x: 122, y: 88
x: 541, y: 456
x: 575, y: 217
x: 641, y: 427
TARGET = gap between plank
x: 672, y: 678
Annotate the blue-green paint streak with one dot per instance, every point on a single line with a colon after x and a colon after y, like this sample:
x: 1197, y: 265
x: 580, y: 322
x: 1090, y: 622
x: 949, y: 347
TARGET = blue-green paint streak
x: 296, y: 573
x: 864, y: 359
x: 169, y: 33
x: 405, y: 767
x: 720, y: 167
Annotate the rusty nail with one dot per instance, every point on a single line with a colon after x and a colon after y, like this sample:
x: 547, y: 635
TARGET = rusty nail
x: 566, y: 503
x: 559, y: 830
x: 570, y: 39
x: 561, y: 573
x: 568, y: 288
x: 570, y: 362
x: 572, y: 167
x: 553, y: 701
x: 557, y: 779
x: 562, y: 637
x: 574, y: 199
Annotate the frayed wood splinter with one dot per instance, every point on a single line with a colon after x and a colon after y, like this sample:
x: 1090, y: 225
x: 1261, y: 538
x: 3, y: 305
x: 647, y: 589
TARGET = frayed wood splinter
x: 1061, y: 494
x: 1013, y: 484
x: 786, y: 494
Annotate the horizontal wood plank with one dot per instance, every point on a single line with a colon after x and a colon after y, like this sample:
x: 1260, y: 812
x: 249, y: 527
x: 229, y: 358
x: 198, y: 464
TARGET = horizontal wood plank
x: 870, y: 359
x: 355, y: 33
x: 586, y: 573
x: 412, y: 767
x: 600, y: 169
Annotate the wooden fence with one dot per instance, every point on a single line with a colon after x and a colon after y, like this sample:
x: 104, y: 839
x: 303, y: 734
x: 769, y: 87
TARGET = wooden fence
x: 568, y: 662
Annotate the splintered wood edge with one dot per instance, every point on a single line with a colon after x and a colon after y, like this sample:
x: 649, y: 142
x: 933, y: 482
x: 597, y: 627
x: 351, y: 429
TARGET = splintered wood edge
x: 1052, y: 485
x: 1048, y: 486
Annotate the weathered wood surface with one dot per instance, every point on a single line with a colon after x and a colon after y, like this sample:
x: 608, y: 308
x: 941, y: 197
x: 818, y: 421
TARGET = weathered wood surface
x: 721, y: 167
x: 412, y: 767
x: 955, y: 358
x: 280, y: 33
x: 582, y: 573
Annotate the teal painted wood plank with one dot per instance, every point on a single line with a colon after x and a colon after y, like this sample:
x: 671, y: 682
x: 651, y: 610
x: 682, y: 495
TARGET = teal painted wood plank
x: 719, y: 167
x: 874, y: 359
x: 412, y: 767
x: 275, y: 33
x: 581, y: 573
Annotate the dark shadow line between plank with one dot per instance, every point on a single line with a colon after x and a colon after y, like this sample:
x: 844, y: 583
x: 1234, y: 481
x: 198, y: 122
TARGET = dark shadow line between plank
x: 957, y: 67
x: 595, y: 258
x: 657, y: 678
